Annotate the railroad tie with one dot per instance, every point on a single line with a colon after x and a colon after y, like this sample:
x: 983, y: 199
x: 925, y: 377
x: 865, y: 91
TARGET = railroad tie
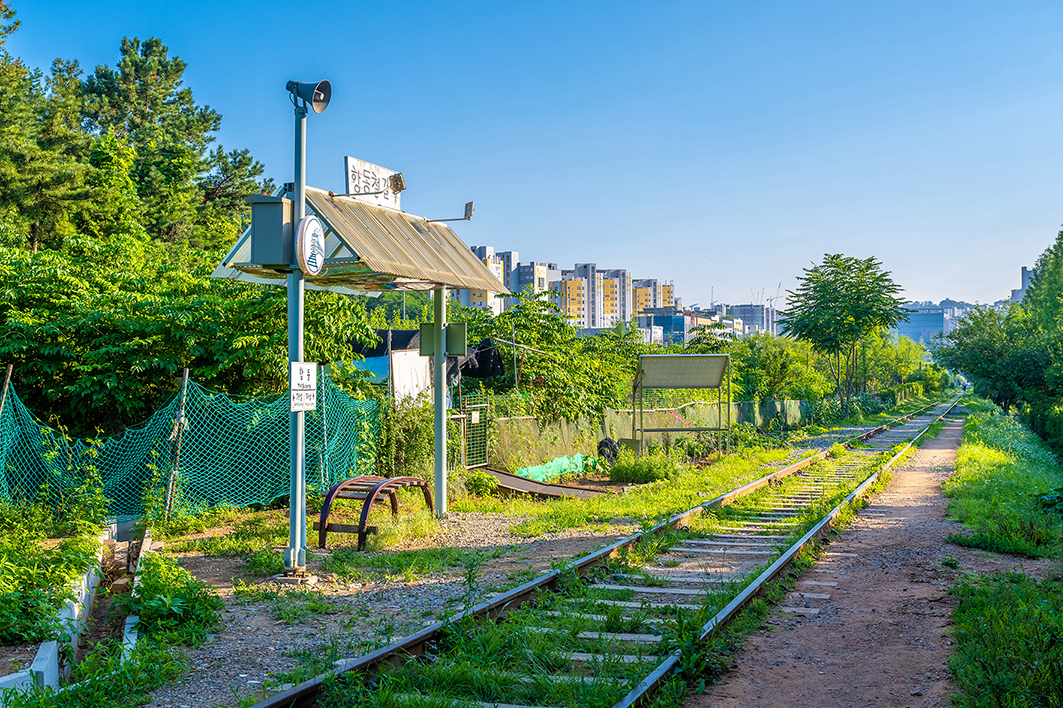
x: 594, y: 618
x: 654, y: 590
x: 725, y: 551
x: 738, y: 535
x: 613, y: 636
x: 643, y: 605
x: 753, y: 541
x: 800, y: 610
x: 411, y: 697
x: 685, y: 577
x: 585, y: 658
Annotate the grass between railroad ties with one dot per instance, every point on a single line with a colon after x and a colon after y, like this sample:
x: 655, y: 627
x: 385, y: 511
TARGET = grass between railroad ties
x: 687, y: 487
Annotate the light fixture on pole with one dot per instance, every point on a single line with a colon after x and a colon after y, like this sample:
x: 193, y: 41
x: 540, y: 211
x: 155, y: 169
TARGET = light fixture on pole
x: 316, y: 97
x: 467, y: 217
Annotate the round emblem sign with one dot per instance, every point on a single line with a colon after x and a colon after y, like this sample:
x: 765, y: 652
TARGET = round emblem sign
x: 310, y: 245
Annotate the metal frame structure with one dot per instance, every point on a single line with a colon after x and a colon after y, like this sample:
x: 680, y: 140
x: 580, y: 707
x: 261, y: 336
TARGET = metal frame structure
x: 687, y: 371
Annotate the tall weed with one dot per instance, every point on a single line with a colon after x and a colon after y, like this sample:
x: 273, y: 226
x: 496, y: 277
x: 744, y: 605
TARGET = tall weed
x: 1002, y: 469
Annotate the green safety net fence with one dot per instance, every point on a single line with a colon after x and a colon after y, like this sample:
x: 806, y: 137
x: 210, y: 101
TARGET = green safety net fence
x: 232, y: 452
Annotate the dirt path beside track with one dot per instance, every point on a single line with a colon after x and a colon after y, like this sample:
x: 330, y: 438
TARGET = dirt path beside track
x: 881, y: 637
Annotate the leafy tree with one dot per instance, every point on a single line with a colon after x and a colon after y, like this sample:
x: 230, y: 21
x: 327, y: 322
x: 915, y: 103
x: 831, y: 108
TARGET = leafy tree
x: 41, y: 177
x: 1000, y: 350
x: 708, y: 339
x: 186, y: 192
x: 1044, y: 296
x: 839, y: 302
x: 570, y: 376
x: 99, y: 329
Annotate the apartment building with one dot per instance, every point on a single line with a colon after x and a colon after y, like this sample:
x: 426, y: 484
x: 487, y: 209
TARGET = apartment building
x: 757, y: 318
x: 482, y: 298
x: 535, y: 277
x: 617, y: 305
x: 572, y: 299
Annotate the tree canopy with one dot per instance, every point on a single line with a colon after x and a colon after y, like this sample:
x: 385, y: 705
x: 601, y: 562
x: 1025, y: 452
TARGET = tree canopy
x: 837, y: 304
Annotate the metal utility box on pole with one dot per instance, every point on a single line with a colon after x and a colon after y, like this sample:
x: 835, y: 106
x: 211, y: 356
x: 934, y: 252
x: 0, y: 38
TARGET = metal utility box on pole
x: 271, y: 231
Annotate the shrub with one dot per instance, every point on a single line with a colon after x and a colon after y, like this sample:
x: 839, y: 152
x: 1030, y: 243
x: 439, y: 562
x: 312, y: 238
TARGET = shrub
x: 174, y: 607
x: 480, y: 483
x: 632, y: 469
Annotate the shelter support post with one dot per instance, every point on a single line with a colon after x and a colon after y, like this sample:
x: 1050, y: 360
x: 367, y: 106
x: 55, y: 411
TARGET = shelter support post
x: 295, y: 554
x: 440, y: 388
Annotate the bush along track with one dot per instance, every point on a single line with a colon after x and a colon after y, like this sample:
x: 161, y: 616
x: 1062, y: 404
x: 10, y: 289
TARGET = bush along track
x: 1008, y: 626
x: 624, y: 625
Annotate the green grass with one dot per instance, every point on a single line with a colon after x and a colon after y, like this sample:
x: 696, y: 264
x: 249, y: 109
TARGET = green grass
x: 174, y: 608
x: 1001, y: 470
x: 640, y: 469
x: 106, y: 682
x: 1008, y: 650
x: 688, y: 487
x: 353, y: 565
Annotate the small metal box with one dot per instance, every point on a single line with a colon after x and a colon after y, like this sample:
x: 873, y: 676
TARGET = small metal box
x: 457, y: 334
x: 271, y: 231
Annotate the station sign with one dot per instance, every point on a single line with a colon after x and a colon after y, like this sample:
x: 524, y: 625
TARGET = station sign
x: 302, y: 386
x: 363, y: 178
x: 310, y: 245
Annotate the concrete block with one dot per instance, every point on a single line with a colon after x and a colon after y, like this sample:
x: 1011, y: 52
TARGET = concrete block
x: 20, y: 679
x: 45, y: 666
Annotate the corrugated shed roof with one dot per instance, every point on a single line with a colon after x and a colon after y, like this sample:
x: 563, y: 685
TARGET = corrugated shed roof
x: 374, y: 248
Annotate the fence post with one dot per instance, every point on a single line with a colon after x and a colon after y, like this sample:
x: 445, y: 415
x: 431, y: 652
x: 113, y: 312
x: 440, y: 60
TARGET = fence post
x: 326, y: 479
x: 7, y: 380
x: 179, y: 427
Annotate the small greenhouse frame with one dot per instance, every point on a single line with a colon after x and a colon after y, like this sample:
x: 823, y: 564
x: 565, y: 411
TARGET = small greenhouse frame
x: 669, y: 371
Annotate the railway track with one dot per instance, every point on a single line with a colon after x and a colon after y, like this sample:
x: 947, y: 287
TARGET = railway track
x: 618, y: 626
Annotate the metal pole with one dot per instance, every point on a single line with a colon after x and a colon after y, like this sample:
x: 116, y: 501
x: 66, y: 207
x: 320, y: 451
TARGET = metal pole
x: 179, y: 426
x: 7, y: 380
x: 295, y: 554
x: 440, y: 385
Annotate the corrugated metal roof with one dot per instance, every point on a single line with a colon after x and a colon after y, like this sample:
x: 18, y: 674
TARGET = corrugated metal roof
x: 374, y: 248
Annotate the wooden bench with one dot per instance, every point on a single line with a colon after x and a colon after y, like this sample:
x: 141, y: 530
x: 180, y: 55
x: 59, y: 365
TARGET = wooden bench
x: 370, y: 490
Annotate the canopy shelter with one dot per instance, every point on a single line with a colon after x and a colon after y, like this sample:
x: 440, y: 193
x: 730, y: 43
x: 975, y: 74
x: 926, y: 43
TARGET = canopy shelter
x: 371, y: 248
x: 358, y: 248
x: 671, y: 371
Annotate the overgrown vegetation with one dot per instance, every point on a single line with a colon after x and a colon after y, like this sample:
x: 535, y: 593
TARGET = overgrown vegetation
x: 174, y: 608
x: 36, y: 579
x: 1008, y: 649
x: 1002, y: 470
x: 1014, y: 355
x: 114, y: 209
x: 653, y: 466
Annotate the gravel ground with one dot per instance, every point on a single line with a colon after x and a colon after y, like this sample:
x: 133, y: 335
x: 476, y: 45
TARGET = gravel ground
x: 253, y: 645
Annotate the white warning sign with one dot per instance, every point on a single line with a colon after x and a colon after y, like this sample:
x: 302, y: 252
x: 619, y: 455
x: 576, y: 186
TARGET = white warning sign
x: 303, y: 386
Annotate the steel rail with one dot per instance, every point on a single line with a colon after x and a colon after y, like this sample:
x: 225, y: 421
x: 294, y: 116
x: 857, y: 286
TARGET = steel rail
x: 645, y: 688
x: 303, y: 695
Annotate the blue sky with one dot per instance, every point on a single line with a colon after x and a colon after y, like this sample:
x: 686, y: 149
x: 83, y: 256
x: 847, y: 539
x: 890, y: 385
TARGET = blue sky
x: 721, y: 145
